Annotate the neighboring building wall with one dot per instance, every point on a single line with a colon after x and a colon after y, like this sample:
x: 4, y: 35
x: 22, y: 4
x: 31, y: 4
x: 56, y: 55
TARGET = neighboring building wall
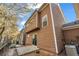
x: 76, y: 7
x: 72, y: 34
x: 20, y: 37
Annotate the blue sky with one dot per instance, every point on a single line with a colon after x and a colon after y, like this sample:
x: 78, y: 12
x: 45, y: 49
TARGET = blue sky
x: 22, y: 20
x: 68, y: 11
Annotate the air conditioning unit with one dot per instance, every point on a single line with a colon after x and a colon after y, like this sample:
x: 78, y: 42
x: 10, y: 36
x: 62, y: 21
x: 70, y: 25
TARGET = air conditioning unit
x: 71, y: 50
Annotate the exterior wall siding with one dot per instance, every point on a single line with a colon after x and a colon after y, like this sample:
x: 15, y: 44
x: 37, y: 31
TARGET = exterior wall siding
x: 45, y: 35
x: 32, y: 23
x: 46, y: 39
x: 58, y: 22
x: 29, y: 37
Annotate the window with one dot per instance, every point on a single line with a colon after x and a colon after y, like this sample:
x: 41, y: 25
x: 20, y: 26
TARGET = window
x: 34, y: 39
x: 44, y: 21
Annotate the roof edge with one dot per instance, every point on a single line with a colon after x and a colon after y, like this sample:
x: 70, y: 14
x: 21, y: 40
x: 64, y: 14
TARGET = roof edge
x: 39, y: 9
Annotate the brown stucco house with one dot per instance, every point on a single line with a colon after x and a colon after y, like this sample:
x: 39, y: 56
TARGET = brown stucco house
x: 44, y: 29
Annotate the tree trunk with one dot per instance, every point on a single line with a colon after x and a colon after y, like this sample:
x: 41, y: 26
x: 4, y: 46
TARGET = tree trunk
x: 2, y: 30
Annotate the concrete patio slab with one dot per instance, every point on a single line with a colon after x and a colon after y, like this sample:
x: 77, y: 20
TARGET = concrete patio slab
x: 26, y: 49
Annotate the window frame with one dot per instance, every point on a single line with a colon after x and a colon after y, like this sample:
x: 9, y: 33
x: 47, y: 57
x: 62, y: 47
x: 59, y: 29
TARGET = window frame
x: 34, y: 42
x: 43, y: 19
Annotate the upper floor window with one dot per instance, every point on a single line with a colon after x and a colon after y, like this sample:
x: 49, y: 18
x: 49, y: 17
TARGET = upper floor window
x: 44, y: 21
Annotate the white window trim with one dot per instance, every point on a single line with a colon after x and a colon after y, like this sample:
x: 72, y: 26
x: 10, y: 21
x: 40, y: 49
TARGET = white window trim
x: 33, y: 36
x: 44, y: 19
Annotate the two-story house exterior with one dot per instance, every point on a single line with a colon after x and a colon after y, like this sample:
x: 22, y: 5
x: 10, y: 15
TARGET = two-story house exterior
x: 43, y: 29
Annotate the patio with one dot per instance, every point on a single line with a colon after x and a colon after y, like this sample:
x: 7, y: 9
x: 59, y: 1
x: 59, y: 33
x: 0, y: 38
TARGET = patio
x: 20, y: 50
